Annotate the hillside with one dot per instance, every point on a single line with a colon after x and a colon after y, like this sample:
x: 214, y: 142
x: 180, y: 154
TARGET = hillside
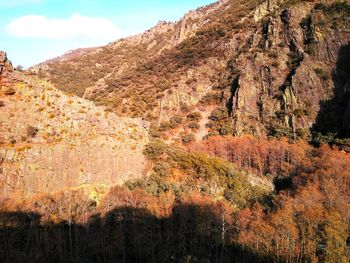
x: 277, y: 68
x: 223, y: 137
x: 50, y: 140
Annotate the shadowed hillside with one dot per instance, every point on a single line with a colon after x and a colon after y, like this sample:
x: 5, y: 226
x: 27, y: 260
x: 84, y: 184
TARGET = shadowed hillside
x: 191, y: 234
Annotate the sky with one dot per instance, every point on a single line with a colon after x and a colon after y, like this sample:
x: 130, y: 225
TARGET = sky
x: 32, y: 31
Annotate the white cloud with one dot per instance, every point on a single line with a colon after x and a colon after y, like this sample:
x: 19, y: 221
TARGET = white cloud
x: 75, y: 27
x: 14, y: 3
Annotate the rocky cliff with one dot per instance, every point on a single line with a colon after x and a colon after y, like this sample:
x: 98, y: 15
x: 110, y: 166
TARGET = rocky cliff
x: 50, y: 140
x: 291, y: 76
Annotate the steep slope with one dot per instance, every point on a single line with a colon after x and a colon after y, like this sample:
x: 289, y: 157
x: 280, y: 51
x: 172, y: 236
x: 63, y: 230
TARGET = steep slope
x: 169, y: 65
x: 292, y: 76
x: 50, y: 140
x: 275, y: 67
x: 268, y: 68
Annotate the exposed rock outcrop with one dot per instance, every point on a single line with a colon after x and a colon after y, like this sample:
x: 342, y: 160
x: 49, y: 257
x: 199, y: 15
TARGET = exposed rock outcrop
x: 50, y: 140
x: 5, y: 69
x: 286, y: 72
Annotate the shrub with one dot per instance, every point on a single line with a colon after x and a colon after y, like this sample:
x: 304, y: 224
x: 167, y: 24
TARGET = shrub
x: 303, y: 133
x: 193, y: 125
x: 212, y: 98
x: 162, y: 169
x: 225, y: 128
x: 343, y: 143
x: 194, y: 116
x: 176, y: 121
x: 279, y: 131
x: 219, y: 114
x: 319, y: 138
x: 154, y: 149
x: 155, y: 133
x: 164, y: 126
x: 221, y: 123
x: 188, y: 138
x: 2, y: 104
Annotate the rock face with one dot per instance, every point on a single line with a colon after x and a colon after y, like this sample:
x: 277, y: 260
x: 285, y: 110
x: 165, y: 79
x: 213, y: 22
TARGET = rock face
x: 5, y: 69
x: 50, y: 140
x: 278, y: 66
x: 290, y: 73
x: 4, y: 62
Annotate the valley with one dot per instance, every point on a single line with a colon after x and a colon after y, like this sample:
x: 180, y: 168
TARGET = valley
x: 222, y: 137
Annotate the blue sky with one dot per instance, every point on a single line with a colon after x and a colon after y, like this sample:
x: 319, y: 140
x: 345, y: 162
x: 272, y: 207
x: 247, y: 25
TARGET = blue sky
x: 32, y: 31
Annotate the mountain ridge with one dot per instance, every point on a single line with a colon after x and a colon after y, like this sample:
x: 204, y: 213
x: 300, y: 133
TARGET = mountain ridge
x: 198, y: 60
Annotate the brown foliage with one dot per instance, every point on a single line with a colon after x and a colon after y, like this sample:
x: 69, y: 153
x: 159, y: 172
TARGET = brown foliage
x: 257, y: 155
x: 306, y: 222
x: 293, y: 231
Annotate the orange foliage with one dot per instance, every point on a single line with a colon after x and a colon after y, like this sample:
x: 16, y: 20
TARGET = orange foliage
x: 305, y: 222
x: 292, y: 229
x: 261, y: 156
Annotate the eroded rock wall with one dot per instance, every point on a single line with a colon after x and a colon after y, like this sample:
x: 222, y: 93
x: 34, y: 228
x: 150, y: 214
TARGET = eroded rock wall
x: 289, y: 71
x: 50, y: 141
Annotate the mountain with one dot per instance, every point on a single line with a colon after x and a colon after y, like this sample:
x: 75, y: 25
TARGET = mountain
x: 277, y: 68
x: 50, y: 140
x: 223, y: 137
